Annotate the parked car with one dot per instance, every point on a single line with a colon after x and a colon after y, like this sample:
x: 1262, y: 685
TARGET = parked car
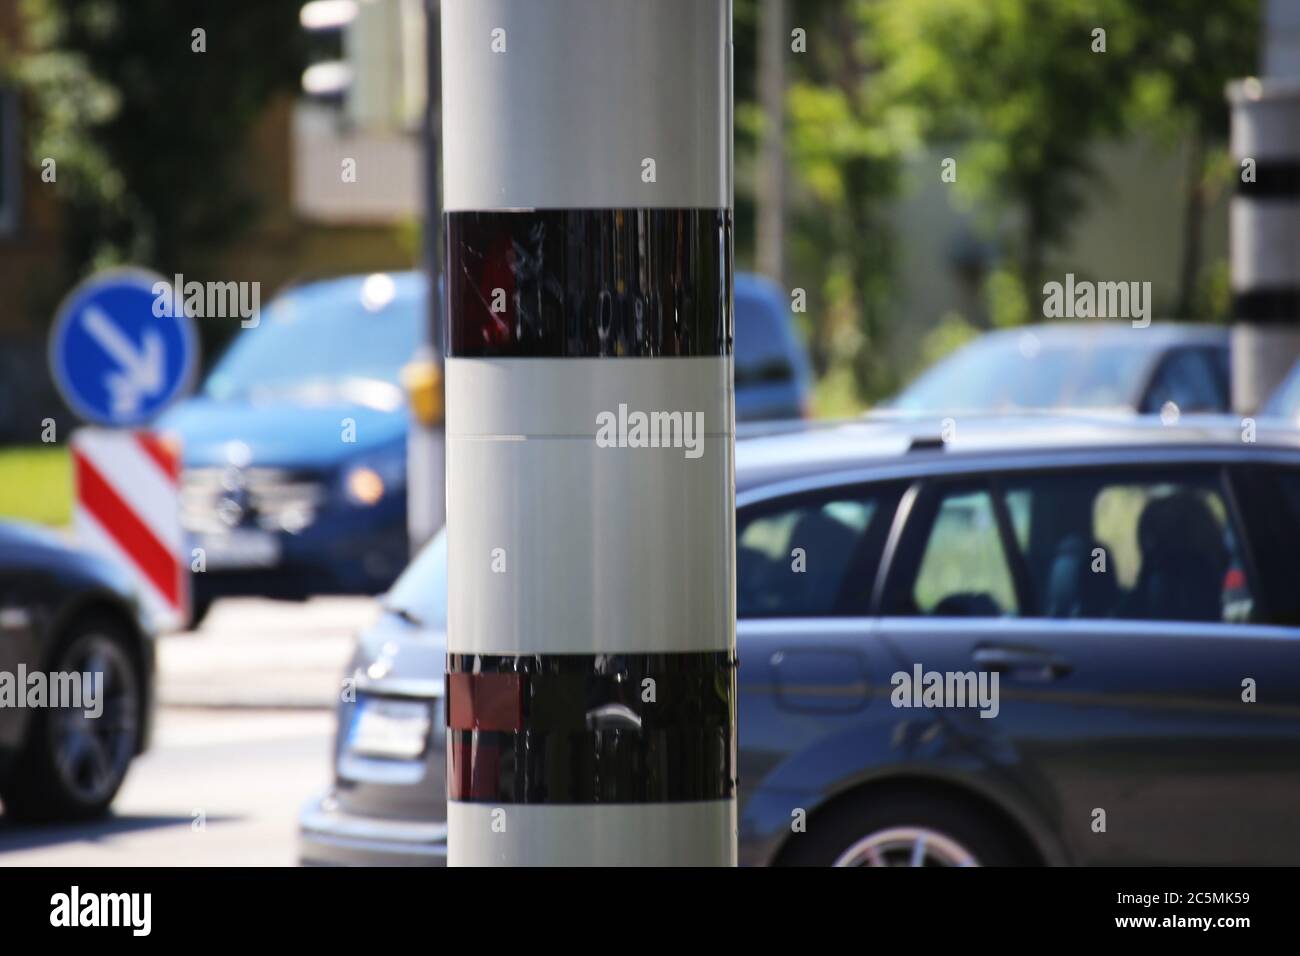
x: 294, y: 450
x: 1131, y: 584
x: 65, y: 612
x: 1083, y: 365
x: 773, y: 375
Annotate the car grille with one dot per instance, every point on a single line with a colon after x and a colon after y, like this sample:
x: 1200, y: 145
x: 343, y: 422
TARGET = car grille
x: 214, y: 500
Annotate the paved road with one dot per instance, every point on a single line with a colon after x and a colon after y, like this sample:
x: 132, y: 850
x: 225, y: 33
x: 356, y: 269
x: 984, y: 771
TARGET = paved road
x: 243, y: 738
x: 270, y: 654
x: 219, y: 788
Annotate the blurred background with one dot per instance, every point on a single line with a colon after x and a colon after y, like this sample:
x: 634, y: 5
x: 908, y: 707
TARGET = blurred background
x: 909, y: 175
x: 223, y: 164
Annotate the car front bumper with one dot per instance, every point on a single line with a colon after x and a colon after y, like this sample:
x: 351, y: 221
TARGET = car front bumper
x: 328, y: 836
x: 362, y: 555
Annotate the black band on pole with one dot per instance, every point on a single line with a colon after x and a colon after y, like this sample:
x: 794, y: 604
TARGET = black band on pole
x: 587, y: 283
x: 1267, y: 306
x: 591, y: 728
x: 1274, y: 179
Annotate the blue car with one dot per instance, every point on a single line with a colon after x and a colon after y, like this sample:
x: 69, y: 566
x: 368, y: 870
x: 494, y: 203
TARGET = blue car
x: 294, y: 450
x: 772, y: 373
x: 956, y: 680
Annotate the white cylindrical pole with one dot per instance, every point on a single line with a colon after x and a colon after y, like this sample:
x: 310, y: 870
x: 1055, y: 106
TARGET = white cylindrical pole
x: 1264, y: 217
x: 591, y: 503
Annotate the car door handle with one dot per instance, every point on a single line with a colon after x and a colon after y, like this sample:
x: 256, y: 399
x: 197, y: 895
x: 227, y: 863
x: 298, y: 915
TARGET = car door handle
x: 1024, y: 662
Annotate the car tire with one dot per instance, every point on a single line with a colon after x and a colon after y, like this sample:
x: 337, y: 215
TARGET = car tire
x: 71, y: 766
x: 900, y: 828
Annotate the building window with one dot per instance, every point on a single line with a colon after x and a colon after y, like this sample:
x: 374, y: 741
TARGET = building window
x: 10, y: 162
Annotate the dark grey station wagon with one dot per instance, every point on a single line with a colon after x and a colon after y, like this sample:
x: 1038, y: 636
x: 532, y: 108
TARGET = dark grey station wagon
x: 1117, y: 599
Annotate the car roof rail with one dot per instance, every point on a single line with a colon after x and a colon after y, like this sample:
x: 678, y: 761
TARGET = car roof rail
x: 927, y: 443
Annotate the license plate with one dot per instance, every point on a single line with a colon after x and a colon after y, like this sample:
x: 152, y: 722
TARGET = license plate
x: 389, y: 728
x: 241, y: 548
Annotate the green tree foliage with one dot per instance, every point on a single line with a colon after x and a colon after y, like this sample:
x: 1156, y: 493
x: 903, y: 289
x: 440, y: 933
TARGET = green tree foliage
x: 843, y: 159
x: 1187, y: 51
x: 1023, y: 89
x: 1022, y: 93
x: 148, y: 133
x: 1027, y: 88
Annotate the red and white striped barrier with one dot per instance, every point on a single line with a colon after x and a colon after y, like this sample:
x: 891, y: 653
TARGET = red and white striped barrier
x: 128, y: 510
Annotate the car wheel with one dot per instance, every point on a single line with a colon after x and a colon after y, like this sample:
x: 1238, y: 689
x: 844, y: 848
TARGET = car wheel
x: 902, y: 828
x: 73, y: 764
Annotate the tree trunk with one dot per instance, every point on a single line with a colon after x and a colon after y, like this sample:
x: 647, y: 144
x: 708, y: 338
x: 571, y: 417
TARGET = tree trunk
x: 1033, y: 256
x: 771, y: 191
x: 1193, y: 219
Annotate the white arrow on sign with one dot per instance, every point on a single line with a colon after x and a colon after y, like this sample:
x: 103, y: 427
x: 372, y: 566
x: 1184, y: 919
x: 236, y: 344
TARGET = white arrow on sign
x: 142, y: 371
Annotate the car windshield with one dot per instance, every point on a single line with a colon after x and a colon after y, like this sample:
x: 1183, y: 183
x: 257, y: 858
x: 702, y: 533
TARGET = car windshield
x: 1009, y: 372
x: 420, y: 593
x: 317, y: 342
x: 1285, y: 402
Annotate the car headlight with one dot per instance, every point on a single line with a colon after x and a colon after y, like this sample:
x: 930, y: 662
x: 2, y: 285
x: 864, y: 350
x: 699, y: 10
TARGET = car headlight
x: 364, y: 486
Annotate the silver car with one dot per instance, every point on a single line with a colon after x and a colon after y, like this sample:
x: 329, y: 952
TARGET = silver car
x: 388, y: 802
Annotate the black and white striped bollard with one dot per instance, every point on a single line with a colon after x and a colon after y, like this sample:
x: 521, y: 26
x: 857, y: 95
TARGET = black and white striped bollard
x: 590, y: 487
x: 1264, y: 223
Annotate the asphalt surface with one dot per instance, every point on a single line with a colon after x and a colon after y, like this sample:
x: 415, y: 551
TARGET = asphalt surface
x: 263, y: 654
x: 243, y: 738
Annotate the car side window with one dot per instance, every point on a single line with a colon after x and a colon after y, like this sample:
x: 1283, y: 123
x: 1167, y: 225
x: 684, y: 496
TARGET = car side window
x: 964, y: 571
x: 810, y: 556
x: 1130, y: 545
x: 1189, y: 378
x: 1137, y: 544
x: 1269, y: 499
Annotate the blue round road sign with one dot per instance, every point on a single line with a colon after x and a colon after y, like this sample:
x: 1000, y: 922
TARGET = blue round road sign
x: 117, y: 353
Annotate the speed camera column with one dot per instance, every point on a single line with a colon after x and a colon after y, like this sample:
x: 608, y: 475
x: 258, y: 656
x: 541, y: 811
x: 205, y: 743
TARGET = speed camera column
x: 1264, y: 217
x: 590, y: 485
